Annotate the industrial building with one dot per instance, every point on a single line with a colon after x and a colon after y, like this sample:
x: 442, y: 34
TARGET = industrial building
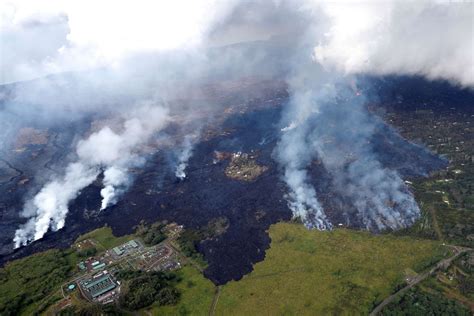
x: 91, y: 265
x: 97, y: 265
x: 94, y: 288
x: 126, y: 248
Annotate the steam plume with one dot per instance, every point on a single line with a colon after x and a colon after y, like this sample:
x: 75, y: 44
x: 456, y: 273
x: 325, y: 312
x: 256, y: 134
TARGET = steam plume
x: 293, y: 154
x: 49, y: 207
x: 430, y: 39
x: 341, y: 136
x: 330, y: 123
x: 183, y: 157
x: 115, y: 181
x: 108, y: 149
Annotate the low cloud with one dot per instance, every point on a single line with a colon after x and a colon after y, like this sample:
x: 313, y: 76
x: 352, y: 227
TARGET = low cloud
x: 434, y: 39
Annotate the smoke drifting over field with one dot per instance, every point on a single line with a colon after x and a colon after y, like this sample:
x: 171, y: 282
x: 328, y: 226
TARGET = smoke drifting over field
x: 129, y: 72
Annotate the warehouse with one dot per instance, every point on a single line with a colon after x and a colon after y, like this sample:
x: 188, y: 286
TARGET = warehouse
x: 95, y: 287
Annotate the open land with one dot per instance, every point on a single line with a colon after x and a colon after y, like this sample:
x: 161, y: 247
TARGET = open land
x: 316, y: 272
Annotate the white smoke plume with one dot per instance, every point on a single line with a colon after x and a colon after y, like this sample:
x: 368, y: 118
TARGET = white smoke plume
x: 103, y: 149
x: 115, y: 181
x: 379, y: 195
x: 341, y: 136
x: 183, y: 156
x: 49, y: 207
x: 294, y: 154
x: 330, y: 124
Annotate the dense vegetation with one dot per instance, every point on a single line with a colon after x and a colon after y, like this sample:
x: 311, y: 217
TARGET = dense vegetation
x: 196, y: 296
x: 454, y: 285
x: 190, y: 239
x: 151, y: 234
x: 144, y: 288
x: 28, y: 285
x: 447, y: 196
x: 418, y: 302
x: 466, y: 278
x: 88, y: 252
x: 444, y: 216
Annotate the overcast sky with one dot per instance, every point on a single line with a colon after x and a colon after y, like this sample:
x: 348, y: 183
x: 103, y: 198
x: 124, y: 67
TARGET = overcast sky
x: 431, y: 38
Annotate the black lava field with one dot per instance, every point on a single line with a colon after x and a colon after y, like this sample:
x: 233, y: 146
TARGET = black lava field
x: 206, y: 194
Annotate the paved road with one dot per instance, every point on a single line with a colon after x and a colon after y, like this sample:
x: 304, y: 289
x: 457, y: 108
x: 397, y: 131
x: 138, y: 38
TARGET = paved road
x: 441, y: 264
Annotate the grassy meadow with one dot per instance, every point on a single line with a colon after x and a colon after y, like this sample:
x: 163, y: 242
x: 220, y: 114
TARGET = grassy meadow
x: 105, y: 238
x: 197, y: 293
x: 340, y: 272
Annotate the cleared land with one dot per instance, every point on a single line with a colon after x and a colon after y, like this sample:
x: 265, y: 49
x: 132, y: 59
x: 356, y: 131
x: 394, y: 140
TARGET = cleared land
x: 319, y: 273
x: 105, y: 238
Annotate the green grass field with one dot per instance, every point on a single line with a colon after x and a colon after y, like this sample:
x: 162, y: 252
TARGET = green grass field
x: 197, y: 293
x: 106, y: 238
x: 340, y: 272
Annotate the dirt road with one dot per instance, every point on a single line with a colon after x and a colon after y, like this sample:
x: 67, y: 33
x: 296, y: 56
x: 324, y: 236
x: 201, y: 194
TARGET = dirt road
x: 212, y: 311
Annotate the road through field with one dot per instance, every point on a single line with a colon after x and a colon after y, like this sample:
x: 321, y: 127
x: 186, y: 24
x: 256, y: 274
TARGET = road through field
x: 441, y: 264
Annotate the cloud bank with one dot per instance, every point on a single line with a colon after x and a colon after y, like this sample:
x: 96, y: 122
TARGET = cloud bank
x: 80, y: 35
x: 434, y: 39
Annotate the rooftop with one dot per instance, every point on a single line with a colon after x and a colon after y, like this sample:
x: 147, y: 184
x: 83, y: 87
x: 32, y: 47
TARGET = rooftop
x: 99, y: 286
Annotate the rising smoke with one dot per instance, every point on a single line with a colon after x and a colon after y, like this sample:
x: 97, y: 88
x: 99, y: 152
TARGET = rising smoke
x: 327, y: 123
x: 105, y: 149
x: 295, y: 156
x: 341, y: 135
x: 49, y: 207
x: 330, y: 124
x: 184, y: 154
x: 115, y: 183
x: 314, y: 45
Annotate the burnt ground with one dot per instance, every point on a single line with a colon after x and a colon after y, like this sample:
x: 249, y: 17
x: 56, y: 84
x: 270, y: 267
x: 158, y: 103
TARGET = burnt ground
x: 206, y: 194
